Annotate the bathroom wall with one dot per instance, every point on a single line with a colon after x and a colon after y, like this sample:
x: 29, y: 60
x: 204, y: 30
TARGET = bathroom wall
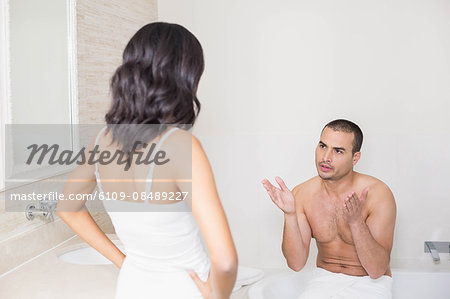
x: 277, y: 71
x: 103, y: 29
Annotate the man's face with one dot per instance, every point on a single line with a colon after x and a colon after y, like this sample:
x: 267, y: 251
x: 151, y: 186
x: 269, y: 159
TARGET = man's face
x: 334, y: 158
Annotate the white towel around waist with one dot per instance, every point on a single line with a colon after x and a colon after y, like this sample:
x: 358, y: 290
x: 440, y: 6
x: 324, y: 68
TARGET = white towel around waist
x: 326, y: 284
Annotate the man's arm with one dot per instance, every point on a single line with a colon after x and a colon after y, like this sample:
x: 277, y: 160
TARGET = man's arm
x: 373, y: 239
x: 296, y: 238
x: 296, y: 232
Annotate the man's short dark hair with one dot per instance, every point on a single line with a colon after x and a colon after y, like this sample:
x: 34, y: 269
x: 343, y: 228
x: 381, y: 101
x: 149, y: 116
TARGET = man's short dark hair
x: 343, y: 125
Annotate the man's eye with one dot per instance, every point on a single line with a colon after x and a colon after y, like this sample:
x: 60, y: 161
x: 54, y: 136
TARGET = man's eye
x: 322, y: 145
x: 339, y: 151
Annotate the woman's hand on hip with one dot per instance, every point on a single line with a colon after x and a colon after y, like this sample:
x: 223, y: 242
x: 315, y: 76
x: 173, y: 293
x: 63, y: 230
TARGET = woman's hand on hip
x: 203, y: 286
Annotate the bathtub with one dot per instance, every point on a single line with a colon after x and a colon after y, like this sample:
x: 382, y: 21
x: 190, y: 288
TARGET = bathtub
x: 407, y: 285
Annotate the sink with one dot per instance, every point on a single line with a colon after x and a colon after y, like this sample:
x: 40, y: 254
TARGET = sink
x: 86, y: 256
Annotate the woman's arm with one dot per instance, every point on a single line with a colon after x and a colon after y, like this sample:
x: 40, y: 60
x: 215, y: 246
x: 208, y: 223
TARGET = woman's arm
x: 210, y: 216
x: 76, y: 215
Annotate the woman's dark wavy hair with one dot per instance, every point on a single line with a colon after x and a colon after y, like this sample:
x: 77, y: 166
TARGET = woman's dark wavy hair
x: 157, y: 81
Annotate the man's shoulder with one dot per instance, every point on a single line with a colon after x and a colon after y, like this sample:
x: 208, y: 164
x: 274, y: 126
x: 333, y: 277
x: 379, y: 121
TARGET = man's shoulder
x: 307, y: 187
x: 372, y: 182
x: 377, y: 188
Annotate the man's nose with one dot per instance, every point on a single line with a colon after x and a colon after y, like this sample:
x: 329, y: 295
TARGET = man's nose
x: 327, y: 156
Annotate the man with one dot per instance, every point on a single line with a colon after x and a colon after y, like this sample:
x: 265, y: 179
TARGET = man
x: 351, y: 216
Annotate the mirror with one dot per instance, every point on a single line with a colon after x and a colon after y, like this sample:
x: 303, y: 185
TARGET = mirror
x: 39, y: 62
x: 42, y: 81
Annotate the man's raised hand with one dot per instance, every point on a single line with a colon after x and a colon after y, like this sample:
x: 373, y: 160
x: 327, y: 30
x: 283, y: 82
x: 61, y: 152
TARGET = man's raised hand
x: 353, y: 206
x: 282, y: 196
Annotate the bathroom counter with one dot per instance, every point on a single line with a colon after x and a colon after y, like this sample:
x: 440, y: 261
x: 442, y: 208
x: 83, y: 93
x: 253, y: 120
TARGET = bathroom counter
x: 46, y: 276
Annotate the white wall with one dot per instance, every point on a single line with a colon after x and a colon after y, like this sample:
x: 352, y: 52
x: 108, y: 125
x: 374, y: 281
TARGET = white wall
x: 277, y: 71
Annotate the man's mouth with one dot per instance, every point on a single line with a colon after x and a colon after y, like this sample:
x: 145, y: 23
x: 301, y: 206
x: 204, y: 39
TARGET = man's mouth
x: 325, y: 167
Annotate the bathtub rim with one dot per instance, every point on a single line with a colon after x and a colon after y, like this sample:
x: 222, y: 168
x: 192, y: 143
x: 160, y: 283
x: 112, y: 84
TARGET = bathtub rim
x: 256, y: 290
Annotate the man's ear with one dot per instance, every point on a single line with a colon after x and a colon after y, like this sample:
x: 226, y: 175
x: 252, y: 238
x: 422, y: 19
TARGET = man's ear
x: 356, y: 157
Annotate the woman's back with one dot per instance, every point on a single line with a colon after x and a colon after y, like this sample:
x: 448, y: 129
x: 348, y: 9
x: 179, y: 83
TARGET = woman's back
x: 161, y: 237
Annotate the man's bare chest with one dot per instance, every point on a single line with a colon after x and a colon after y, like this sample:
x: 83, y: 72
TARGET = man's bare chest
x: 327, y: 221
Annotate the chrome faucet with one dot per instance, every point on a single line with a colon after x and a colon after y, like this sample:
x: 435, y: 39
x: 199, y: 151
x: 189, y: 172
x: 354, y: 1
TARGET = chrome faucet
x: 429, y: 247
x: 44, y: 207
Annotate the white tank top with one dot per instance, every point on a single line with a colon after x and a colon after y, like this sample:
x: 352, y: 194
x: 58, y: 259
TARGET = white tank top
x: 160, y: 237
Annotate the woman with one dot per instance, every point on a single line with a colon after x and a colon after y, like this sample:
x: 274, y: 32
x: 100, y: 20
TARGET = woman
x: 157, y: 84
